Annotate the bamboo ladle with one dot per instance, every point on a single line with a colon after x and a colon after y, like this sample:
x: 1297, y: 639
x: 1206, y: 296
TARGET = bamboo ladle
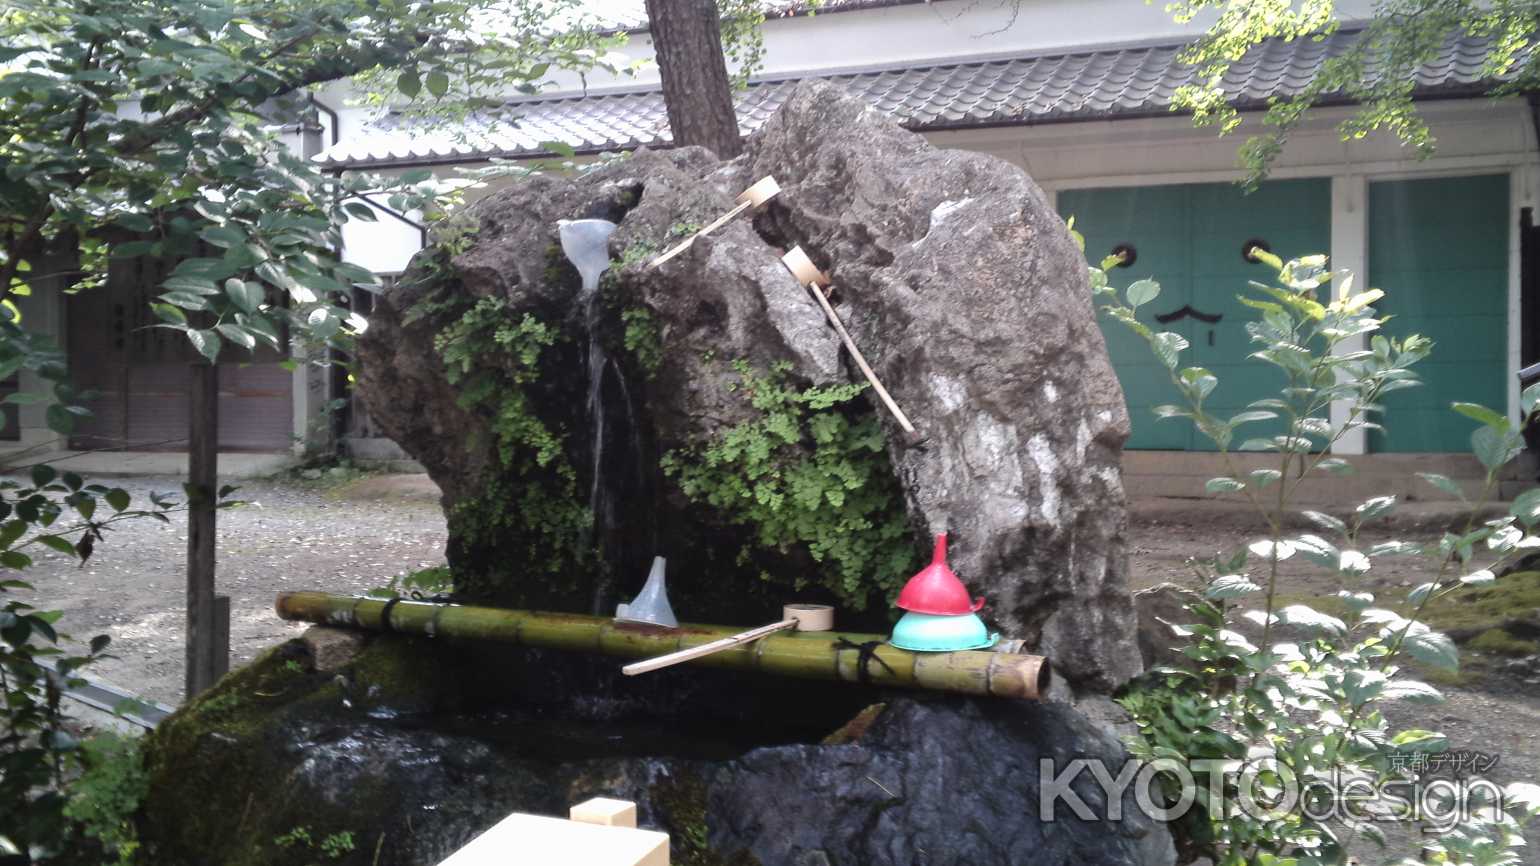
x: 802, y: 617
x: 762, y: 191
x: 809, y: 275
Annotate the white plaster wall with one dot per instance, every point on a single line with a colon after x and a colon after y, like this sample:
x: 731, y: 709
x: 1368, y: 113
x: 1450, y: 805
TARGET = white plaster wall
x: 383, y: 246
x: 941, y: 31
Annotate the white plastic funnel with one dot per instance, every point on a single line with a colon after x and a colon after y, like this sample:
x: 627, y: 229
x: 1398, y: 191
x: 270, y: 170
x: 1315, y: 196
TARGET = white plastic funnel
x: 651, y: 604
x: 587, y: 245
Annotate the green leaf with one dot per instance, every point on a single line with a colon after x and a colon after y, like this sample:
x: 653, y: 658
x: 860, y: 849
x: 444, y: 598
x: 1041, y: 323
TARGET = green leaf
x: 1375, y: 508
x: 1336, y: 466
x: 1301, y: 616
x: 118, y: 498
x: 1433, y: 648
x: 1248, y: 417
x: 1261, y: 478
x: 57, y: 542
x: 186, y: 300
x: 1167, y: 346
x: 169, y: 313
x: 246, y: 295
x: 1494, y: 447
x: 1142, y: 292
x: 1420, y: 593
x: 190, y: 285
x: 1444, y: 483
x: 237, y: 335
x: 1529, y: 398
x: 1417, y: 740
x: 1526, y: 507
x: 207, y: 343
x: 1411, y: 690
x: 438, y: 83
x: 1223, y: 485
x: 43, y: 475
x: 59, y: 419
x: 1482, y: 414
x: 409, y: 84
x: 223, y: 236
x: 1477, y: 578
x: 1325, y: 521
x: 1230, y: 586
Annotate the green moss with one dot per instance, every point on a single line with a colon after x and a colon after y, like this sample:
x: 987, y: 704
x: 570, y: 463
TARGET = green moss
x: 810, y: 473
x: 681, y: 798
x: 211, y: 765
x: 1499, y: 642
x: 1488, y: 605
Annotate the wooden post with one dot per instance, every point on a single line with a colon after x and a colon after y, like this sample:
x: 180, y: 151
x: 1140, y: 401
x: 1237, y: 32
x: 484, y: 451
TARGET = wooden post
x: 202, y: 473
x: 219, y: 644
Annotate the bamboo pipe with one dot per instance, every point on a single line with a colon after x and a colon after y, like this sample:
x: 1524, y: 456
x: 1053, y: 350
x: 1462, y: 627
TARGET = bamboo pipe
x: 792, y: 654
x: 806, y: 617
x: 760, y: 192
x: 809, y: 275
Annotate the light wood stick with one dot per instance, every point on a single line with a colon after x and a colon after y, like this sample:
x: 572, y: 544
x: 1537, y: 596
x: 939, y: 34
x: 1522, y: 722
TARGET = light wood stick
x: 866, y: 369
x: 707, y: 649
x: 715, y: 224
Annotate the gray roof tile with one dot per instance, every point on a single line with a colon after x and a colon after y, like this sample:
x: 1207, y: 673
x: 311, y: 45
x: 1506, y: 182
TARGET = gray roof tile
x: 1136, y: 81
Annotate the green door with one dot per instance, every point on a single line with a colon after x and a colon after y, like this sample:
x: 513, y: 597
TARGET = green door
x: 1439, y: 250
x: 1190, y: 238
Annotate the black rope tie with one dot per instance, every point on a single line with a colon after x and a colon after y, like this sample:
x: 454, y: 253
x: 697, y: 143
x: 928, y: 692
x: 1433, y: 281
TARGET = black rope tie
x: 866, y: 653
x: 385, y: 625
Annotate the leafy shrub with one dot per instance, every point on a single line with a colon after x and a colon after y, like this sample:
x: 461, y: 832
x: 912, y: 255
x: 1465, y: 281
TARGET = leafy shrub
x: 108, y: 792
x: 810, y: 472
x: 39, y: 756
x: 1305, y: 702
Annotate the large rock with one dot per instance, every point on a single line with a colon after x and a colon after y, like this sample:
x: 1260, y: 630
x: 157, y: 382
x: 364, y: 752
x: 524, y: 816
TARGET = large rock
x: 956, y: 278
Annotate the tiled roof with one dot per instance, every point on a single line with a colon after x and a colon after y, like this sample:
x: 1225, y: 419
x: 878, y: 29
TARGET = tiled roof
x: 632, y: 14
x: 1130, y: 81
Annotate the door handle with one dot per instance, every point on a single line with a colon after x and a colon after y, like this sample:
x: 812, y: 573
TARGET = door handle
x: 1186, y: 312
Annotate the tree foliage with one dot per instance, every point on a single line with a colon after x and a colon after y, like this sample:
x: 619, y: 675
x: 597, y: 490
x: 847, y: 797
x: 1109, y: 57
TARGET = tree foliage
x: 143, y: 128
x: 1378, y: 71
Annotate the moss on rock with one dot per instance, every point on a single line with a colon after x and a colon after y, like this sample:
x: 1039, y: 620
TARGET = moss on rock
x: 218, y: 767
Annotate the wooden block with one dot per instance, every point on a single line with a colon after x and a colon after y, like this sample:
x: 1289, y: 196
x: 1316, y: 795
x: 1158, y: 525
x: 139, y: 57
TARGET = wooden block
x: 603, y: 810
x: 527, y: 840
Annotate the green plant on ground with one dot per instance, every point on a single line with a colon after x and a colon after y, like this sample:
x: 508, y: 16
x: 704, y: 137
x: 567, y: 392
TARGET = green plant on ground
x: 103, y: 799
x: 333, y: 846
x: 39, y: 754
x: 434, y: 580
x: 1304, y: 704
x: 809, y: 472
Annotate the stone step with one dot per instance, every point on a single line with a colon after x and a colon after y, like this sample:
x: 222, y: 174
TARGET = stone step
x: 1183, y: 474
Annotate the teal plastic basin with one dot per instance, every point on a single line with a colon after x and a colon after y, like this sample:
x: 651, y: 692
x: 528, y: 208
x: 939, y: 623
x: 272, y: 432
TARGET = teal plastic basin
x: 927, y: 633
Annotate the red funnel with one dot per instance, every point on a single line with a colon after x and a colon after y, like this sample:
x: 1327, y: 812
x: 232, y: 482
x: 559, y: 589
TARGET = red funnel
x: 936, y: 590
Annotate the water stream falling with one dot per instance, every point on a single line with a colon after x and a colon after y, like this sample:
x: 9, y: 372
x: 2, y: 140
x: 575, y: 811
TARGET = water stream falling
x: 586, y: 245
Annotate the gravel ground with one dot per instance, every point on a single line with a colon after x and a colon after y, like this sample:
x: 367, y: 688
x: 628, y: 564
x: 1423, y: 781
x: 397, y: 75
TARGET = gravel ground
x: 347, y: 538
x: 353, y: 536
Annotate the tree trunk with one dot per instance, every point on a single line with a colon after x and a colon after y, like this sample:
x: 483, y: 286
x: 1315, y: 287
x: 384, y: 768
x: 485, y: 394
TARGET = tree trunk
x: 687, y: 41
